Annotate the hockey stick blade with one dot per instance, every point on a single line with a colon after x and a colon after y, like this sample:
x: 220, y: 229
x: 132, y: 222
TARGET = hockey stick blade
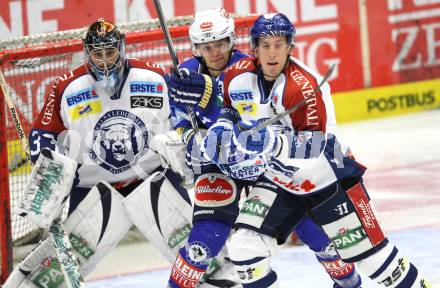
x: 297, y: 106
x: 175, y: 60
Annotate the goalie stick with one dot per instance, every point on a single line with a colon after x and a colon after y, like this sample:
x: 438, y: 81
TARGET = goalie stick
x: 68, y: 261
x: 297, y: 106
x: 175, y: 60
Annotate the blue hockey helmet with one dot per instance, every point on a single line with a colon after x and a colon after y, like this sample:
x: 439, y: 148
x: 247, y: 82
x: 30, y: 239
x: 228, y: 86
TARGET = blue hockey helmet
x: 274, y: 24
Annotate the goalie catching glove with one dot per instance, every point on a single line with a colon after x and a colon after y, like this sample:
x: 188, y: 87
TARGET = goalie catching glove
x: 190, y: 88
x: 48, y: 186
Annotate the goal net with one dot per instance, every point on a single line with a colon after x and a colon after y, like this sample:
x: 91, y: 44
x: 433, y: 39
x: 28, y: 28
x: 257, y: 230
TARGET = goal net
x: 30, y: 65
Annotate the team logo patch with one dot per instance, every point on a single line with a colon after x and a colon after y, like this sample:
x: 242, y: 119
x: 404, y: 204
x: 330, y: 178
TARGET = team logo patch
x: 119, y: 140
x: 214, y: 190
x: 198, y: 253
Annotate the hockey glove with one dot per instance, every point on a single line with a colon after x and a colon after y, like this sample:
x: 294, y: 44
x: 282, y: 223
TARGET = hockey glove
x: 191, y: 88
x: 263, y: 142
x: 222, y: 147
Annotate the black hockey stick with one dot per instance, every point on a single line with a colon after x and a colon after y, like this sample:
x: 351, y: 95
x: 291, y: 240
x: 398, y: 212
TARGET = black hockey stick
x: 174, y: 59
x: 297, y: 106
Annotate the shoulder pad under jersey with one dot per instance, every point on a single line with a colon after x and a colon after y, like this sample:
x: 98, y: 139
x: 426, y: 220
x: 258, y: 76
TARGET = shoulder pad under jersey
x: 244, y: 65
x: 135, y: 63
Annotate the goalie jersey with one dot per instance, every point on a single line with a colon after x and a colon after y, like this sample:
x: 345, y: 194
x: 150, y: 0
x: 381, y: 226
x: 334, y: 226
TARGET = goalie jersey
x: 107, y: 135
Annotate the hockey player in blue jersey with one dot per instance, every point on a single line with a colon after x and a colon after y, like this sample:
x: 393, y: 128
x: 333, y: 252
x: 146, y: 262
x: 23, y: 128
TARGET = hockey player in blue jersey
x: 300, y: 164
x: 216, y: 195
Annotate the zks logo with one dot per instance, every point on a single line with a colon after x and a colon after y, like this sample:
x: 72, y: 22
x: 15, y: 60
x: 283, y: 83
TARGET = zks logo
x: 142, y: 87
x: 119, y: 140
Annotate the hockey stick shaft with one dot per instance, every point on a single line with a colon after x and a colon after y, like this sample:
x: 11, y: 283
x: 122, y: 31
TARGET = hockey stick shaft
x: 14, y: 115
x: 68, y: 261
x: 174, y: 59
x: 297, y: 106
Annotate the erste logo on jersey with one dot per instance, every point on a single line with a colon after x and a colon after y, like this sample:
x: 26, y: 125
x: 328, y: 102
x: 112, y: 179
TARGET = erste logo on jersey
x: 239, y: 95
x: 244, y: 101
x: 119, y: 140
x: 145, y: 94
x: 83, y: 103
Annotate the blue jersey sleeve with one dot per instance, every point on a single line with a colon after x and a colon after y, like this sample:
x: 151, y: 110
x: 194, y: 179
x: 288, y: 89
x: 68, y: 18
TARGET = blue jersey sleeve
x: 208, y: 116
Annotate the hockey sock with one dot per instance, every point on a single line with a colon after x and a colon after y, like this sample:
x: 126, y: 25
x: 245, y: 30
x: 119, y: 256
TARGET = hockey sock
x: 343, y: 274
x: 389, y: 268
x: 204, y: 243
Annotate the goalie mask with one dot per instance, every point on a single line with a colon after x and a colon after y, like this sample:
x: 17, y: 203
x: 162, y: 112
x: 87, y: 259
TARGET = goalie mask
x: 104, y: 48
x: 211, y: 25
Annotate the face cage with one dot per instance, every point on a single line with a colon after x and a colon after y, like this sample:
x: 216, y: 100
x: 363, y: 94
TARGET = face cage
x: 109, y: 67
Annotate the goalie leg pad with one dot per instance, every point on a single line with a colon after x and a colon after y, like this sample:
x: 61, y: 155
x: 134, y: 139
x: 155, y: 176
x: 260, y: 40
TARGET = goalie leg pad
x: 103, y: 222
x: 47, y: 187
x: 161, y: 212
x: 94, y: 227
x: 250, y: 253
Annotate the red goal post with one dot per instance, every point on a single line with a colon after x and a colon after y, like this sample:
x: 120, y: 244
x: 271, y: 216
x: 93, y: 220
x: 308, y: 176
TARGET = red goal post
x: 30, y: 65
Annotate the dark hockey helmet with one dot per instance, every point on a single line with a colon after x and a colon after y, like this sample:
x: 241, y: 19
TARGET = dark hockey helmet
x: 273, y: 24
x: 104, y: 47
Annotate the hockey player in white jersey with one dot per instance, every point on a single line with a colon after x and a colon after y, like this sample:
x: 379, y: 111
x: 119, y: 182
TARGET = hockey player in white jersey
x: 299, y: 165
x: 213, y: 40
x: 111, y: 115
